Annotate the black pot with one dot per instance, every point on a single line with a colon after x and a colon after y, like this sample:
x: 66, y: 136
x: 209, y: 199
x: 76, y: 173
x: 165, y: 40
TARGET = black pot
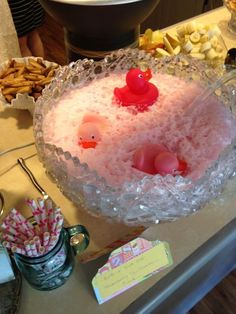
x: 95, y: 28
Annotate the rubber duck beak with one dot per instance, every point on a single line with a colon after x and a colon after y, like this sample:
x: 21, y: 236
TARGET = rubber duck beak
x: 147, y: 75
x: 182, y: 167
x: 86, y: 145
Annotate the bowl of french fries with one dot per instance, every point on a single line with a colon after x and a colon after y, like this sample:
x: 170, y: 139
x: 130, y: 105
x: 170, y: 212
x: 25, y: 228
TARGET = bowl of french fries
x: 22, y: 81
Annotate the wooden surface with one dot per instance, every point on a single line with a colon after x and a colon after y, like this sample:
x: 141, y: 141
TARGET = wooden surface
x: 223, y: 298
x: 170, y: 12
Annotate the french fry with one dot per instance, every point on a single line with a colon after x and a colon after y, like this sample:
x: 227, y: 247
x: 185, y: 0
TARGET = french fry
x: 34, y: 70
x: 20, y: 71
x: 49, y: 69
x: 9, y: 91
x: 16, y: 90
x: 19, y: 84
x: 24, y: 89
x: 29, y: 78
x: 45, y: 81
x: 15, y: 64
x: 8, y: 72
x: 40, y: 61
x: 34, y: 77
x: 51, y: 73
x: 9, y: 76
x: 35, y: 64
x: 12, y: 81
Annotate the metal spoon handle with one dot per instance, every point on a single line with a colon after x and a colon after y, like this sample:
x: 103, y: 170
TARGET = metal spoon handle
x: 21, y: 162
x: 1, y: 204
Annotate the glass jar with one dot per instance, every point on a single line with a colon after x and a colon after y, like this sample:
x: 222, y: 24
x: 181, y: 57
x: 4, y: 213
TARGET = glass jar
x: 51, y: 270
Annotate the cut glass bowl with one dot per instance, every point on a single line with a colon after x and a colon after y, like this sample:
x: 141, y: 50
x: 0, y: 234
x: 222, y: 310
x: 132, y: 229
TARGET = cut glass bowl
x: 153, y: 198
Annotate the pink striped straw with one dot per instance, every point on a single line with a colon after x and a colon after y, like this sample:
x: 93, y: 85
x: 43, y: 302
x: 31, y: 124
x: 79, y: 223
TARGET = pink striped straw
x: 10, y: 230
x: 35, y: 210
x: 58, y: 226
x: 16, y: 249
x: 24, y: 238
x: 42, y: 250
x: 37, y: 242
x: 33, y: 248
x: 15, y: 215
x: 54, y: 213
x: 9, y: 245
x: 42, y: 205
x: 46, y: 238
x: 28, y: 248
x: 12, y: 238
x: 57, y: 216
x: 39, y: 212
x: 51, y: 214
x: 30, y: 234
x: 42, y: 226
x: 20, y: 228
x: 8, y: 220
x: 44, y: 216
x: 52, y: 243
x: 48, y: 204
x: 51, y: 210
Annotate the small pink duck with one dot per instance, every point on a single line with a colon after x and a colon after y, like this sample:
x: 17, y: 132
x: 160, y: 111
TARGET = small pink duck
x: 90, y: 130
x: 156, y: 159
x: 138, y: 92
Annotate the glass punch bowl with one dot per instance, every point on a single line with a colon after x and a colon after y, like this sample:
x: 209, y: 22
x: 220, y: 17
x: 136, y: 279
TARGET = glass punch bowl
x: 153, y: 198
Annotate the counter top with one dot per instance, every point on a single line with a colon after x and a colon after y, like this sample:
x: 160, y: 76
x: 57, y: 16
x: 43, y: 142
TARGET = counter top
x: 184, y: 236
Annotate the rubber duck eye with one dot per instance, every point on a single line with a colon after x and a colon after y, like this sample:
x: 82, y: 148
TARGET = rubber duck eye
x: 81, y: 138
x: 140, y: 76
x: 93, y: 137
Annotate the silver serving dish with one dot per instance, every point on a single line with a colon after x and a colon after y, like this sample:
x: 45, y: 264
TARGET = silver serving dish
x: 94, y: 28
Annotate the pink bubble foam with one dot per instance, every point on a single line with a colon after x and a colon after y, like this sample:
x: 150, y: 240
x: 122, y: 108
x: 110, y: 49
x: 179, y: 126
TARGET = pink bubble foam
x: 197, y: 137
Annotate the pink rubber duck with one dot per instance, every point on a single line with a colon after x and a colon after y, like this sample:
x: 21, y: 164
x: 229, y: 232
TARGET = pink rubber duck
x: 138, y: 92
x: 156, y: 159
x: 90, y: 130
